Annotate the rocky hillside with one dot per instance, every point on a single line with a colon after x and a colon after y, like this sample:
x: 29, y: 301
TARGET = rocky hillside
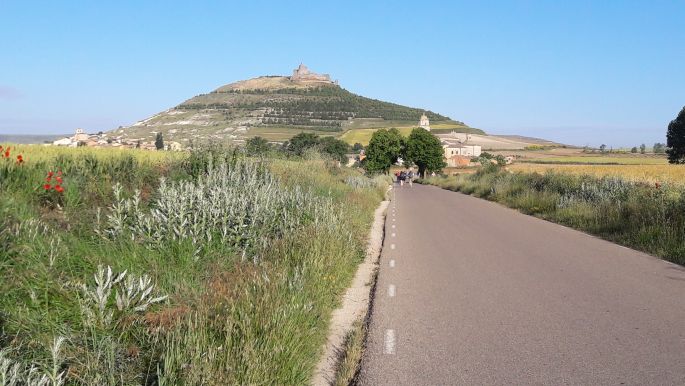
x: 277, y: 107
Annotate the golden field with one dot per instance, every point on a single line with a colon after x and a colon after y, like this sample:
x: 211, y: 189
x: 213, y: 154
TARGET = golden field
x: 662, y: 173
x: 43, y: 153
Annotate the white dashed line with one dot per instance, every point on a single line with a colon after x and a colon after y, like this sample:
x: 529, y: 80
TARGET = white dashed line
x: 389, y: 342
x: 392, y: 263
x: 391, y: 290
x: 393, y: 234
x: 392, y: 246
x: 393, y: 226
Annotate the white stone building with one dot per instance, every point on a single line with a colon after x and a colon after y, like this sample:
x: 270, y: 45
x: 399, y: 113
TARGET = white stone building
x: 424, y: 123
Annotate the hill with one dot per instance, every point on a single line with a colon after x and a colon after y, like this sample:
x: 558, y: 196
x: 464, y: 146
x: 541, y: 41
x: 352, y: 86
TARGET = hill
x: 29, y: 139
x: 277, y: 107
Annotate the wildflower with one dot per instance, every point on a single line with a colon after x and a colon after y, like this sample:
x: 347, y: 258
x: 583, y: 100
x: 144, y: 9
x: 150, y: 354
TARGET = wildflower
x: 50, y: 173
x: 59, y: 188
x: 7, y: 152
x: 59, y: 180
x: 20, y: 159
x: 47, y: 186
x: 657, y: 185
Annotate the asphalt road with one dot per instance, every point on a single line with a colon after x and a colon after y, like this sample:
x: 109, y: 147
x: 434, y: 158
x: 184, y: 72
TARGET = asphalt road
x: 472, y: 293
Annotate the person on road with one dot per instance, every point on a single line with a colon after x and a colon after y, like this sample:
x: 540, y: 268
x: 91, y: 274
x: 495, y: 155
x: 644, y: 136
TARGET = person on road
x: 410, y: 177
x: 403, y: 177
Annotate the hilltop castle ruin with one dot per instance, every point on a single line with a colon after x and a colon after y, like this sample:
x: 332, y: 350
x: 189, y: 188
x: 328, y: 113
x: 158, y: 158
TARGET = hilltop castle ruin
x: 302, y: 73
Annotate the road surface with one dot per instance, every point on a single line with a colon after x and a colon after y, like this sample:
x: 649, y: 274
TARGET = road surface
x: 473, y: 293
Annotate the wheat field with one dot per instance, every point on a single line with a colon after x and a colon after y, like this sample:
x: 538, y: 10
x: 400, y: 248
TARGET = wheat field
x: 661, y: 173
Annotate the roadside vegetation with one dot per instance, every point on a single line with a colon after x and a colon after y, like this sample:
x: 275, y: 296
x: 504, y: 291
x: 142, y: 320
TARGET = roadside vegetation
x: 125, y: 267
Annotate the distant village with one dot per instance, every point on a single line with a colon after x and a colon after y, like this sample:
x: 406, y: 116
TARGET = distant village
x: 458, y: 152
x: 81, y: 138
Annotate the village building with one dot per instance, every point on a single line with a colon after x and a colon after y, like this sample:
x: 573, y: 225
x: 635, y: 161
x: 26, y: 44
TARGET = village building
x: 81, y: 138
x: 459, y: 154
x: 424, y: 123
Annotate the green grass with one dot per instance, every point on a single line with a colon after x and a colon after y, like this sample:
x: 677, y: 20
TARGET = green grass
x: 236, y: 313
x: 638, y: 215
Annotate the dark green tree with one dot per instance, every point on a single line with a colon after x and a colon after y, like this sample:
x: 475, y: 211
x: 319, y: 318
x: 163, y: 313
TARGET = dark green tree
x: 302, y: 142
x: 602, y: 147
x: 425, y: 150
x: 643, y: 148
x: 384, y: 148
x: 159, y: 141
x: 357, y: 147
x: 257, y: 146
x: 634, y: 149
x: 335, y: 148
x: 675, y: 139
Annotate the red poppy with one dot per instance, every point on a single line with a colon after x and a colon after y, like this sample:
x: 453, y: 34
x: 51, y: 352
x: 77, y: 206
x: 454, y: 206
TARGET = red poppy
x: 59, y: 173
x: 48, y: 179
x: 59, y: 180
x: 59, y: 188
x: 20, y: 159
x: 657, y: 185
x: 7, y: 153
x: 47, y: 186
x: 50, y: 174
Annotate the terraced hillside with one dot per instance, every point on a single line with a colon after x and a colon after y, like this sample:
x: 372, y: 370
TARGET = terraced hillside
x: 277, y: 108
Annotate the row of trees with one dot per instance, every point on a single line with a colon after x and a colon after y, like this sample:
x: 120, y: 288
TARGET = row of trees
x: 658, y: 148
x: 299, y: 145
x: 421, y: 148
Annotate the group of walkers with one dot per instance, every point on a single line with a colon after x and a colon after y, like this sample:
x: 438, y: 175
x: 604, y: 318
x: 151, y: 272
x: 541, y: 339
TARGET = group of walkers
x: 405, y: 176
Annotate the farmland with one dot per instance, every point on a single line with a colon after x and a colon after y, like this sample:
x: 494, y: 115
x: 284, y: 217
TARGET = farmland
x: 134, y: 267
x: 650, y: 168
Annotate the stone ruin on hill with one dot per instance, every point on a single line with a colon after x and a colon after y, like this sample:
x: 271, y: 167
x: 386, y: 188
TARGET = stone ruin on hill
x: 302, y: 73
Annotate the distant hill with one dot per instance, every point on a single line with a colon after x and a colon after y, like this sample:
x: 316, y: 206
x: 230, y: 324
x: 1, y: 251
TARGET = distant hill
x: 277, y: 107
x: 30, y: 139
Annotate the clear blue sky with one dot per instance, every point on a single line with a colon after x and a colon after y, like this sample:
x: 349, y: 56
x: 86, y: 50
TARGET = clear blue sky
x: 583, y: 72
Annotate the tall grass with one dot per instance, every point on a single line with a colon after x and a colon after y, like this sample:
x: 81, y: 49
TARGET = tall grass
x: 202, y: 268
x: 644, y: 216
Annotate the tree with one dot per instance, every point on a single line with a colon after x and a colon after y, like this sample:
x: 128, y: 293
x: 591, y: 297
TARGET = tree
x: 301, y: 142
x: 659, y: 148
x: 634, y: 149
x: 675, y: 139
x: 159, y: 141
x: 334, y: 148
x: 425, y: 150
x: 257, y: 146
x: 357, y: 147
x: 602, y: 147
x: 384, y: 148
x: 642, y: 148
